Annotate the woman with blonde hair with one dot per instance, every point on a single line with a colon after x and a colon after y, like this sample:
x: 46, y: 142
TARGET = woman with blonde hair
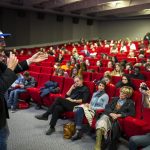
x: 117, y: 71
x: 119, y: 107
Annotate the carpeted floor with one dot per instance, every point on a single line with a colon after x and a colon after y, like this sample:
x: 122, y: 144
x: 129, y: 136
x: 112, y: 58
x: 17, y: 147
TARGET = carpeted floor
x: 28, y: 133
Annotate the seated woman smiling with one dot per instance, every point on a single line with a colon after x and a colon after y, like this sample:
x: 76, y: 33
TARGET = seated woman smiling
x: 119, y: 107
x: 99, y: 100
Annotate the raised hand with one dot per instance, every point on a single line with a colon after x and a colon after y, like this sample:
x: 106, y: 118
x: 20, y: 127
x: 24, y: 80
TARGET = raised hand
x: 38, y: 57
x: 12, y: 61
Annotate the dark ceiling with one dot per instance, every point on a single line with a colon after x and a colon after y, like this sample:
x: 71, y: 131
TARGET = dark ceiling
x: 93, y: 9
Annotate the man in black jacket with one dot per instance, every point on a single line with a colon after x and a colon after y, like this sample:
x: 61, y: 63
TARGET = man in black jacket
x: 77, y: 94
x: 7, y: 77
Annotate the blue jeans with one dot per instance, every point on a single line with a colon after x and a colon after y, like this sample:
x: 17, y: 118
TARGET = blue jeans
x: 79, y: 115
x: 4, y: 133
x: 140, y: 141
x: 13, y: 97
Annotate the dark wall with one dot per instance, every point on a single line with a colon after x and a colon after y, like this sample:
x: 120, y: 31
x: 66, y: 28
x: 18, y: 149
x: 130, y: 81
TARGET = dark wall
x: 28, y: 28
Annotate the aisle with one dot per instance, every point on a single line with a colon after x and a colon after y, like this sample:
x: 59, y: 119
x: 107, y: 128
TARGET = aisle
x: 28, y: 133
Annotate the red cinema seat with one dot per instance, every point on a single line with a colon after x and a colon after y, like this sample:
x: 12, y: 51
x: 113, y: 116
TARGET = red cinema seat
x: 136, y: 83
x: 97, y: 76
x: 47, y: 101
x: 87, y: 76
x: 116, y: 79
x: 46, y: 64
x: 35, y: 68
x: 129, y: 123
x: 104, y: 69
x: 35, y: 92
x: 96, y: 68
x: 110, y: 90
x: 47, y: 70
x: 146, y: 75
x: 68, y: 82
x: 50, y: 59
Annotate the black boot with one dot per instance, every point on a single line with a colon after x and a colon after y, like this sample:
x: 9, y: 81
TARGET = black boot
x: 42, y: 117
x: 50, y: 131
x: 113, y: 145
x: 78, y: 135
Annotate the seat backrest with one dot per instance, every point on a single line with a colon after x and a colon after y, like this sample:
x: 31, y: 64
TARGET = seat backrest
x: 137, y: 98
x: 146, y: 114
x: 146, y: 75
x: 48, y: 70
x: 87, y: 76
x: 104, y: 69
x: 136, y: 83
x: 43, y: 77
x: 51, y: 59
x: 68, y: 82
x: 59, y: 80
x: 91, y: 87
x: 110, y: 90
x: 97, y: 76
x: 116, y: 79
x: 46, y: 64
x: 35, y: 68
x: 96, y: 68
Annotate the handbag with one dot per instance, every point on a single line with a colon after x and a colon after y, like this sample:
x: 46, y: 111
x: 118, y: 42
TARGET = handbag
x: 69, y: 130
x: 23, y: 105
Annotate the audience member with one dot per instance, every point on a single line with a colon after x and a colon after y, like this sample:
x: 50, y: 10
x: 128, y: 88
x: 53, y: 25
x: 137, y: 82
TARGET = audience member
x: 117, y: 71
x: 144, y: 89
x: 120, y: 107
x: 87, y: 62
x: 68, y: 66
x: 110, y: 64
x: 136, y: 74
x: 77, y: 94
x: 27, y: 82
x: 125, y: 81
x: 98, y: 101
x: 99, y: 63
x: 59, y: 58
x: 85, y: 51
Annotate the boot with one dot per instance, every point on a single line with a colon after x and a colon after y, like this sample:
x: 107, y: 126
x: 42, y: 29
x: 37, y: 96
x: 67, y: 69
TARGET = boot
x: 42, y: 117
x: 78, y: 135
x: 99, y: 134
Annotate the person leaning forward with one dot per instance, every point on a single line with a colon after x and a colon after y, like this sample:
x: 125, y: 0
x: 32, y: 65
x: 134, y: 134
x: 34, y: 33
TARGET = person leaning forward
x: 77, y: 94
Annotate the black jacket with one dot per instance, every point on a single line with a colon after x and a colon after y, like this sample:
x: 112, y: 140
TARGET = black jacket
x: 7, y: 77
x: 128, y: 108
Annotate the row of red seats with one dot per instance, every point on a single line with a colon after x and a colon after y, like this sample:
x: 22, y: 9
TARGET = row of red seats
x: 88, y: 76
x: 129, y: 125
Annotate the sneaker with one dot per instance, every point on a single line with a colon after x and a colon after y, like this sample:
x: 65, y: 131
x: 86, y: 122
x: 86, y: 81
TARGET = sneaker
x: 41, y: 117
x: 50, y: 131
